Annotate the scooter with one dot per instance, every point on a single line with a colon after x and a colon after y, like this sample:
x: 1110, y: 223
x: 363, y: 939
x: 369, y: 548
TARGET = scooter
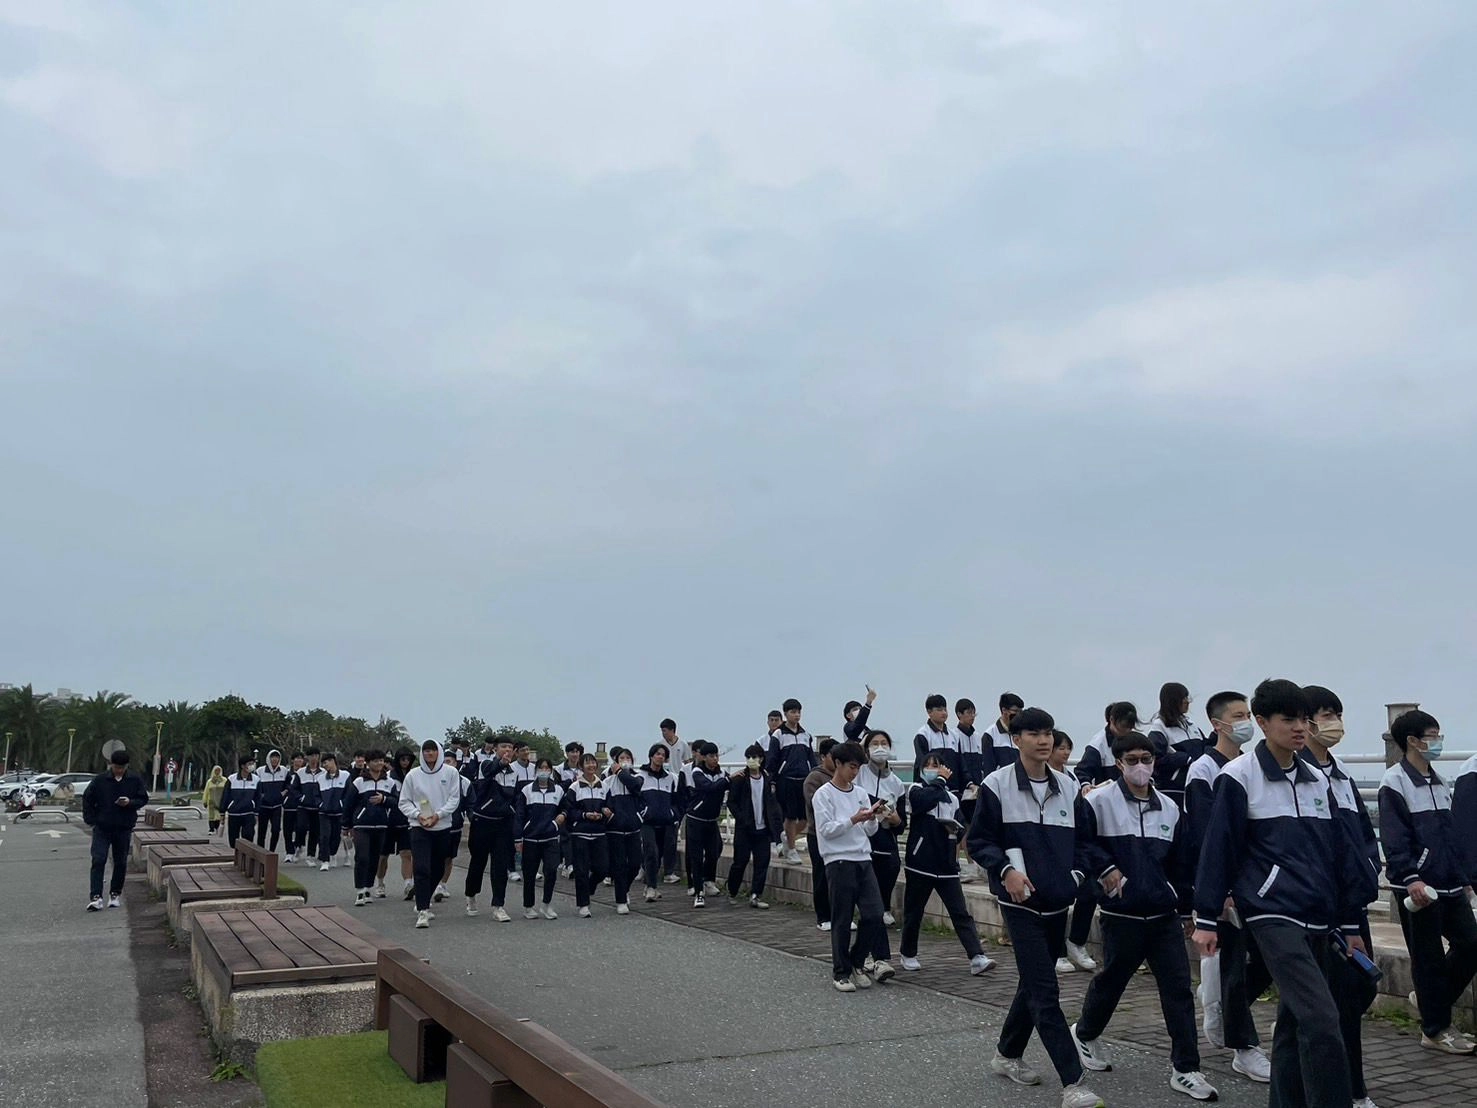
x: 22, y: 804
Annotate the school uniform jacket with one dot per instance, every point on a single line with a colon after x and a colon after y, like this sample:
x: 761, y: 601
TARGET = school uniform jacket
x: 741, y: 804
x: 1275, y: 843
x: 271, y: 784
x: 974, y: 762
x: 331, y: 794
x: 999, y: 750
x: 658, y: 803
x: 700, y: 793
x: 791, y: 753
x: 1200, y: 798
x: 1175, y: 747
x: 944, y: 743
x: 537, y: 810
x: 1144, y: 841
x: 1417, y: 831
x: 1464, y: 811
x: 1354, y: 817
x: 1097, y: 763
x: 493, y: 794
x: 305, y: 788
x: 239, y: 797
x: 360, y: 810
x: 1008, y: 816
x: 581, y: 799
x: 856, y: 729
x: 932, y: 850
x: 888, y: 787
x: 623, y: 795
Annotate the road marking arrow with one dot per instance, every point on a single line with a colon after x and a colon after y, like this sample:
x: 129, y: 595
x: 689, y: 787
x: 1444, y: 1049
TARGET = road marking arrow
x: 53, y: 834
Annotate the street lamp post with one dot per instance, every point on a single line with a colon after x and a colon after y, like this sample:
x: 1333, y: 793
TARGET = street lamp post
x: 5, y: 767
x: 158, y: 735
x: 71, y: 734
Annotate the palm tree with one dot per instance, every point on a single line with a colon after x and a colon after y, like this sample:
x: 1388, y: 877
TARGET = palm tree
x: 180, y: 736
x: 390, y: 732
x: 102, y: 716
x: 32, y: 719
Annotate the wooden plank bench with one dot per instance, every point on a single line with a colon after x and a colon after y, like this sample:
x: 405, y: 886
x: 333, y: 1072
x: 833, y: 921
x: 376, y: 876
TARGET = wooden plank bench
x: 154, y: 819
x: 284, y: 974
x: 140, y: 841
x: 160, y: 856
x: 251, y: 877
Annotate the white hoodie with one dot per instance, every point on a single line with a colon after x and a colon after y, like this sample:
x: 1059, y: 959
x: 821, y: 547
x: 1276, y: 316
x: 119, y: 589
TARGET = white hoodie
x: 441, y: 788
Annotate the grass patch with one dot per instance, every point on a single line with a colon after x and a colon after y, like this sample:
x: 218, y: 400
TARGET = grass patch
x: 340, y: 1071
x: 286, y: 886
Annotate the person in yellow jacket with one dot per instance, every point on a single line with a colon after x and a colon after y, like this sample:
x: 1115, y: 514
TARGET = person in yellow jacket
x: 212, y: 797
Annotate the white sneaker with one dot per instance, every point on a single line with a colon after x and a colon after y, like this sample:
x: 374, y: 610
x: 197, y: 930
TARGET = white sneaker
x: 409, y: 889
x: 1079, y: 957
x: 844, y: 985
x: 670, y: 879
x: 113, y: 901
x: 1093, y: 1056
x: 515, y: 876
x: 710, y: 889
x: 423, y: 919
x: 549, y: 912
x: 882, y: 972
x: 1193, y: 1085
x: 1212, y: 1022
x: 912, y: 965
x: 95, y: 904
x: 440, y: 894
x: 650, y: 895
x: 981, y: 963
x: 379, y: 891
x: 566, y: 871
x: 755, y: 902
x: 1015, y: 1069
x: 698, y: 901
x: 471, y: 905
x: 323, y: 868
x: 623, y: 909
x: 860, y: 979
x: 361, y: 898
x: 1450, y: 1041
x: 608, y: 881
x: 1064, y: 966
x: 430, y: 914
x: 792, y: 855
x: 584, y: 913
x: 1253, y: 1063
x: 500, y: 914
x: 1080, y: 1096
x: 530, y: 913
x: 1365, y: 1102
x: 826, y: 926
x: 888, y: 918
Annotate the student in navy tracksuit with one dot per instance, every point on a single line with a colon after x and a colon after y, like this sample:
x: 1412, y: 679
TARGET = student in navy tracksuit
x: 623, y: 832
x: 757, y: 820
x: 855, y: 715
x: 1275, y: 843
x: 1136, y: 846
x: 238, y: 801
x: 1424, y: 855
x: 701, y: 790
x: 492, y: 811
x: 271, y: 791
x: 372, y: 797
x: 932, y: 865
x: 303, y: 790
x: 999, y: 749
x: 1177, y: 740
x: 397, y: 833
x: 877, y: 780
x: 660, y: 815
x: 1024, y: 835
x: 1353, y: 990
x: 937, y: 737
x: 791, y: 758
x: 974, y: 763
x: 330, y: 811
x: 1236, y: 974
x: 289, y: 809
x: 567, y: 774
x: 1025, y: 838
x: 588, y: 807
x: 541, y: 815
x: 1096, y: 764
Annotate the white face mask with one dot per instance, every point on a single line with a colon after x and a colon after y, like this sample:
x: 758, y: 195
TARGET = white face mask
x: 1139, y: 774
x: 1243, y: 731
x: 881, y: 754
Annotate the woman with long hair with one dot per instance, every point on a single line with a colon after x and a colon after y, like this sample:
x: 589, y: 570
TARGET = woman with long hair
x: 1177, y: 741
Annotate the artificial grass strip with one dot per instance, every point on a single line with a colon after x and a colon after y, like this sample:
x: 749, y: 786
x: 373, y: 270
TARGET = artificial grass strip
x: 340, y: 1071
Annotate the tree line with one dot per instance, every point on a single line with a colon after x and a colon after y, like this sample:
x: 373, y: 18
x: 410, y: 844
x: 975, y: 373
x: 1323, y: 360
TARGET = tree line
x: 200, y: 735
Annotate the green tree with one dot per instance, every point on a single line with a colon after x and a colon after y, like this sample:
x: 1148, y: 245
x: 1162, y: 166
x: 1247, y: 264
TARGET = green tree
x: 102, y: 716
x: 390, y: 733
x: 544, y: 744
x: 226, y: 725
x: 471, y: 728
x: 179, y: 738
x: 32, y: 720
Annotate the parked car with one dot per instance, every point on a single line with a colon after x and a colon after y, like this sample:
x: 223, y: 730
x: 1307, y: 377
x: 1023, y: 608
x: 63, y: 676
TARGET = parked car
x: 77, y: 782
x: 12, y: 783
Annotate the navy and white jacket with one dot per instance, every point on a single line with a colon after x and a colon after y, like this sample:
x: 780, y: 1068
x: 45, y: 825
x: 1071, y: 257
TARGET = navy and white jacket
x: 888, y: 787
x: 239, y: 797
x: 623, y: 795
x: 567, y: 775
x: 700, y: 793
x: 1175, y: 747
x: 658, y: 802
x: 1097, y: 763
x: 271, y: 784
x: 943, y: 742
x: 1418, y: 832
x: 362, y: 810
x: 1144, y: 841
x: 331, y: 793
x: 974, y: 760
x: 305, y: 787
x: 1276, y: 844
x: 1200, y: 798
x: 493, y: 794
x: 472, y: 767
x: 1009, y: 817
x: 538, y: 809
x: 584, y: 799
x: 791, y: 753
x: 856, y: 729
x: 998, y: 744
x: 1355, y: 819
x: 932, y: 850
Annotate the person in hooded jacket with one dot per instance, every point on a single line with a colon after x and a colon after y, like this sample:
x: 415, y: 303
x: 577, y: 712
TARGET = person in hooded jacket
x: 429, y: 797
x: 932, y: 865
x: 660, y: 815
x: 700, y: 792
x: 492, y: 811
x: 239, y: 801
x: 877, y: 780
x: 623, y: 829
x: 210, y: 796
x: 331, y: 788
x: 271, y: 791
x: 397, y: 831
x: 540, y: 816
x: 588, y: 813
x: 303, y: 791
x: 373, y: 796
x: 757, y: 823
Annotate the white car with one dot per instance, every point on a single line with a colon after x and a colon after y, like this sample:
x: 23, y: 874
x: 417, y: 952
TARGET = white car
x: 11, y: 789
x: 77, y: 782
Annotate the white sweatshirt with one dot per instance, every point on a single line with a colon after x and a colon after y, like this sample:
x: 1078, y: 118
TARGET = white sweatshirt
x: 441, y: 788
x: 840, y: 839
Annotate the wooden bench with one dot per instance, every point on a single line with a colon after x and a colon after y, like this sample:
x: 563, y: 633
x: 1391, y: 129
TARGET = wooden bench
x: 253, y: 876
x: 440, y: 1028
x: 160, y: 856
x: 284, y: 974
x: 154, y: 819
x: 140, y: 842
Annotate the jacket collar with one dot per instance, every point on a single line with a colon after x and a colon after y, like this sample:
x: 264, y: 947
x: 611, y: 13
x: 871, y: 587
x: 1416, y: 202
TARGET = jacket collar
x: 1274, y: 772
x: 1152, y: 802
x: 1023, y: 781
x: 1334, y: 769
x: 1416, y: 778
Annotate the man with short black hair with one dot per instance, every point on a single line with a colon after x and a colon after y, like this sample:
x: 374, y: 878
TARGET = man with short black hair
x: 110, y: 806
x: 1000, y: 749
x: 791, y: 759
x: 238, y: 801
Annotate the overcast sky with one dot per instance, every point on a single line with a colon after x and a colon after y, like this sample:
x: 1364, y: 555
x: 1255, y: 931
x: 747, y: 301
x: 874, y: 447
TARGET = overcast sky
x: 580, y: 365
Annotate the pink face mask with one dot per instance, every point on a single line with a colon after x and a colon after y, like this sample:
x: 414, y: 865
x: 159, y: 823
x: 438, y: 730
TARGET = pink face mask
x: 1139, y: 775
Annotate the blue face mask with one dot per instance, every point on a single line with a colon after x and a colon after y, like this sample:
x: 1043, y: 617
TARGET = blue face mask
x: 930, y: 775
x: 1435, y: 746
